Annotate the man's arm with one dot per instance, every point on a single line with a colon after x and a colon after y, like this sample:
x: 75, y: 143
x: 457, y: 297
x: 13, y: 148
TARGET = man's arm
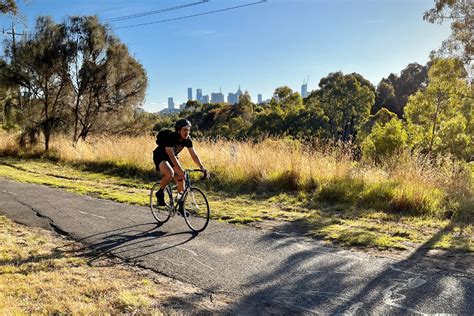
x: 195, y: 158
x: 170, y: 152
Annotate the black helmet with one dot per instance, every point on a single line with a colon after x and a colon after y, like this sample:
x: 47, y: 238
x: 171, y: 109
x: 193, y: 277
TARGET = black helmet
x: 181, y: 123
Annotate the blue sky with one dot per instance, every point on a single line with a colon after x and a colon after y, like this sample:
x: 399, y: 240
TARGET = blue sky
x: 260, y: 47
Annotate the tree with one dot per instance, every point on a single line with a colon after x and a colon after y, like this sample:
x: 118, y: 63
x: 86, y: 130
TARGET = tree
x: 244, y: 108
x: 38, y: 66
x: 384, y: 97
x: 346, y: 101
x: 393, y: 91
x: 75, y: 74
x: 460, y: 12
x: 382, y: 117
x: 439, y: 117
x: 104, y: 77
x: 385, y: 140
x: 8, y: 6
x: 8, y: 114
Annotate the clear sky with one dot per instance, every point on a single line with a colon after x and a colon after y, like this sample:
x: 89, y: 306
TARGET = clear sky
x: 260, y: 47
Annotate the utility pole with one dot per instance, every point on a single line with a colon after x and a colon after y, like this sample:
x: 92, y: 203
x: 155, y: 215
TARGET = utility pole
x: 13, y: 34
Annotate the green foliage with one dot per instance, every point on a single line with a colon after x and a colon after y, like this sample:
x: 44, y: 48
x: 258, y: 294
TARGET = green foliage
x: 393, y: 91
x: 383, y: 116
x: 346, y: 101
x: 74, y: 76
x: 459, y: 12
x: 109, y: 81
x: 385, y: 140
x: 439, y: 119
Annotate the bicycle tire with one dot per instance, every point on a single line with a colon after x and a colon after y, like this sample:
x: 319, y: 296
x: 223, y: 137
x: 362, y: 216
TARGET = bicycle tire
x: 197, y: 208
x: 160, y: 213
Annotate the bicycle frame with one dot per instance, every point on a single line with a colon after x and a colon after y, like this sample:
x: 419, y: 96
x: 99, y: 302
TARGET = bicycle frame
x: 187, y: 186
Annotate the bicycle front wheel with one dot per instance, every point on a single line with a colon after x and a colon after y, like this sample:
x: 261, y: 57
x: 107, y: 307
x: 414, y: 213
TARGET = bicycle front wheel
x: 197, y: 210
x: 161, y: 213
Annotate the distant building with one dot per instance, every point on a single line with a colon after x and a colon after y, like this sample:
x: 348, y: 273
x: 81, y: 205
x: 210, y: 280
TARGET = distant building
x: 231, y: 98
x: 259, y: 98
x: 217, y: 97
x: 182, y: 106
x: 234, y: 98
x: 205, y: 99
x: 190, y: 93
x: 237, y: 95
x: 170, y: 103
x: 304, y: 90
x: 199, y: 95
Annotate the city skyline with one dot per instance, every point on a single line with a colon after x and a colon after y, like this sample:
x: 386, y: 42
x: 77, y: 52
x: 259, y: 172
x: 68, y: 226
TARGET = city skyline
x: 232, y: 98
x: 262, y: 46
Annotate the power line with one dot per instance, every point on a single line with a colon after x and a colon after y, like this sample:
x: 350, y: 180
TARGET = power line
x: 139, y: 15
x: 191, y: 16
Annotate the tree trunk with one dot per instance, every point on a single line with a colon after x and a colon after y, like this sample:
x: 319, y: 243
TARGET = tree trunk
x: 47, y: 136
x: 435, y: 119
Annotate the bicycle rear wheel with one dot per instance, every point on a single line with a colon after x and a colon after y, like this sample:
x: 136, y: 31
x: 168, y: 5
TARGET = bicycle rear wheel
x: 161, y: 213
x: 197, y: 208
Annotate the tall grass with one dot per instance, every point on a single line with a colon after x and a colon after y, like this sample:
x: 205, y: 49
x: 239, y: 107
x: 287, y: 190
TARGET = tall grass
x: 410, y: 184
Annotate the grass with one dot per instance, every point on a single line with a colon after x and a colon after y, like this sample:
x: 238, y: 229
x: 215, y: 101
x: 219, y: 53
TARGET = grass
x: 42, y: 274
x: 341, y: 223
x: 325, y: 190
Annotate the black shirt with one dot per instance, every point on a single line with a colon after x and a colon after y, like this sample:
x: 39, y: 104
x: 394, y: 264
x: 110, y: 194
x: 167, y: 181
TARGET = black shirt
x: 171, y: 140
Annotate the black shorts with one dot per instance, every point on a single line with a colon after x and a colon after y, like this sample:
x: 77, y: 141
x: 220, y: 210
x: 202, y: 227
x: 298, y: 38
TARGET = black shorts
x: 158, y: 157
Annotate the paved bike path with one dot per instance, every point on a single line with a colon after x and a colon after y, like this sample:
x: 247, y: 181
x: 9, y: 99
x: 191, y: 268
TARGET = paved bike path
x: 265, y: 272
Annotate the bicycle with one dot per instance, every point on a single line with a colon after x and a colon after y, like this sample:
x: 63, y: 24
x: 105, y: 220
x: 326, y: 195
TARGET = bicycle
x: 196, y: 211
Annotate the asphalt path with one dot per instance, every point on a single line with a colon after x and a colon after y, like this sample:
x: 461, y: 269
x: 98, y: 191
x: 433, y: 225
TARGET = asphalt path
x: 265, y: 272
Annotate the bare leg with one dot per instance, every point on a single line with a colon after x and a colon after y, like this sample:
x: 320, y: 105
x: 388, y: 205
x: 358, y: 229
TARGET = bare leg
x: 168, y: 173
x: 179, y: 180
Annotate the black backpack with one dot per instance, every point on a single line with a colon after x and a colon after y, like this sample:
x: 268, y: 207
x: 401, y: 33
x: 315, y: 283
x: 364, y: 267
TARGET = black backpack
x: 163, y: 136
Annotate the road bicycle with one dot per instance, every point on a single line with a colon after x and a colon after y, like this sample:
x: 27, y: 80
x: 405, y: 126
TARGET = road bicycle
x: 195, y: 207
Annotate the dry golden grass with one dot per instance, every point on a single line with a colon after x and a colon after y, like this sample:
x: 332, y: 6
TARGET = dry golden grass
x: 8, y: 143
x: 406, y: 183
x: 42, y: 275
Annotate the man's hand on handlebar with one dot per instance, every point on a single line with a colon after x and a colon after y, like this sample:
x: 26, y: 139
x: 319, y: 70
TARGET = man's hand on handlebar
x: 206, y: 174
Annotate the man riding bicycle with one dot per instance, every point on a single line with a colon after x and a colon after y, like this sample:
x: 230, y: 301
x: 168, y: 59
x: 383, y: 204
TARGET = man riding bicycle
x: 165, y: 157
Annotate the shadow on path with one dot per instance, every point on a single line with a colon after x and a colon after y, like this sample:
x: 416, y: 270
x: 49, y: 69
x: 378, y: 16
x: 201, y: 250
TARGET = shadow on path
x: 318, y: 279
x: 128, y: 243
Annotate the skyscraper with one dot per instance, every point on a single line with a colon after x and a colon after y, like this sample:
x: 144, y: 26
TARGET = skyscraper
x: 205, y: 99
x: 190, y: 94
x: 237, y: 95
x: 231, y: 98
x: 217, y: 97
x: 199, y: 95
x: 304, y: 90
x: 170, y: 103
x: 259, y: 98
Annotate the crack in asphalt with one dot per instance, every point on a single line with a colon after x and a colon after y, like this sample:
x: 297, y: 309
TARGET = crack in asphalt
x: 49, y: 220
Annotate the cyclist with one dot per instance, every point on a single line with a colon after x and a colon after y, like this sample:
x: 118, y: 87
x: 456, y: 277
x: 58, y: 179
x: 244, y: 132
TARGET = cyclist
x: 165, y: 157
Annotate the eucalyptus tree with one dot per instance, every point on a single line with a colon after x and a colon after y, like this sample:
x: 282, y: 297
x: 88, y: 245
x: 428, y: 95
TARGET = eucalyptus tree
x: 105, y: 79
x: 38, y: 65
x: 440, y: 118
x: 74, y: 75
x: 392, y: 92
x: 346, y: 101
x: 460, y: 44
